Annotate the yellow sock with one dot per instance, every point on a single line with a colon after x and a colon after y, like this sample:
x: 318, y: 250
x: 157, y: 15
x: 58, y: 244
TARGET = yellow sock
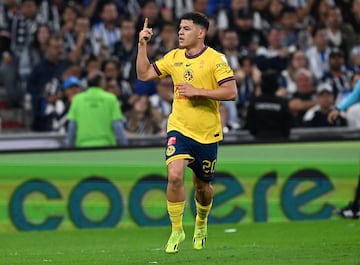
x: 202, y: 213
x: 176, y: 210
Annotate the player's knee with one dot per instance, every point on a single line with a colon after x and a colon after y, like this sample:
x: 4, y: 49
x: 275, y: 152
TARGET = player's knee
x: 175, y: 177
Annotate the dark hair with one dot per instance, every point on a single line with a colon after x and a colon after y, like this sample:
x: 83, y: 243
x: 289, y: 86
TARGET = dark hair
x: 288, y: 10
x: 198, y: 19
x: 94, y: 79
x: 317, y: 28
x: 269, y: 81
x: 113, y: 60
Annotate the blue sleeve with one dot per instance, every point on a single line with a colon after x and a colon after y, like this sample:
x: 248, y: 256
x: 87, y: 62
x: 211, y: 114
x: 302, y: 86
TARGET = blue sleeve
x: 71, y: 134
x: 353, y: 98
x: 119, y: 132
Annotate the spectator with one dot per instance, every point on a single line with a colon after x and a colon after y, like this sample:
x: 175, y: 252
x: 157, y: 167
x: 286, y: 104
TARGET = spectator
x: 214, y: 34
x: 250, y: 38
x: 125, y: 49
x: 274, y: 55
x: 319, y: 12
x: 178, y: 8
x: 166, y: 40
x: 341, y: 35
x: 232, y: 13
x: 8, y: 10
x: 318, y: 53
x: 113, y: 87
x: 23, y: 26
x: 43, y: 84
x: 48, y: 14
x: 95, y: 116
x: 93, y: 63
x: 303, y: 98
x: 350, y: 104
x: 296, y: 61
x: 248, y: 79
x: 150, y: 10
x: 71, y: 86
x: 354, y: 18
x: 230, y: 43
x: 33, y: 53
x: 200, y: 6
x: 79, y: 43
x: 106, y: 32
x: 338, y: 75
x: 143, y: 119
x: 68, y: 18
x: 112, y: 71
x: 272, y: 14
x: 317, y: 115
x: 269, y: 116
x: 355, y: 59
x: 163, y: 99
x: 293, y: 34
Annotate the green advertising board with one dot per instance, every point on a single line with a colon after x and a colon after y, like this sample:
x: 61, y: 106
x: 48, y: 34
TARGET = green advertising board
x: 119, y: 187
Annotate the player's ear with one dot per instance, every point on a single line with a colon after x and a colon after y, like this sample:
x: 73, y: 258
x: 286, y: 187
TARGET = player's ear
x: 202, y: 33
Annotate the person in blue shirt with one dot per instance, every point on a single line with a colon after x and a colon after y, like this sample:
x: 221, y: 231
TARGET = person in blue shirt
x: 352, y: 210
x: 351, y: 99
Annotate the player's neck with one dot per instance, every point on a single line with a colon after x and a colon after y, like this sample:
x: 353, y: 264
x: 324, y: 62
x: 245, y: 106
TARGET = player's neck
x: 194, y: 51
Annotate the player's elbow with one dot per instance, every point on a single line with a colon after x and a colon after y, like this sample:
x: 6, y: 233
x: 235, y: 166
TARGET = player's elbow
x: 233, y: 95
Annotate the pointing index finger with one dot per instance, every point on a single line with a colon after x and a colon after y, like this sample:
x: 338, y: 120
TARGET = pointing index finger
x: 145, y: 23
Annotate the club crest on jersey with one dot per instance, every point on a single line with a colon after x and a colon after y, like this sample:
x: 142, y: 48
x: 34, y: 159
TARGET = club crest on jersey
x: 170, y: 150
x: 188, y: 75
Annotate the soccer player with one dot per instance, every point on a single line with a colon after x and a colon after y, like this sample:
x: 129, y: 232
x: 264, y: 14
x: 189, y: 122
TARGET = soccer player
x: 201, y: 77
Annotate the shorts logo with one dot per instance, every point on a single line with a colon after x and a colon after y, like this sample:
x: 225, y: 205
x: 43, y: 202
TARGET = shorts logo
x: 170, y: 150
x: 172, y: 140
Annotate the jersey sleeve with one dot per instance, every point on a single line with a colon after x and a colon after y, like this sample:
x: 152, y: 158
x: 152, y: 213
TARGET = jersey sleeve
x: 163, y: 65
x: 223, y: 71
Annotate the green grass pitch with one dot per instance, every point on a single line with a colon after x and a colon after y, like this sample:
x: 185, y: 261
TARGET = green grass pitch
x: 322, y: 242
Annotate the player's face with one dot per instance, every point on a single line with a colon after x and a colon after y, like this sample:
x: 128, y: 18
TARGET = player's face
x: 188, y: 34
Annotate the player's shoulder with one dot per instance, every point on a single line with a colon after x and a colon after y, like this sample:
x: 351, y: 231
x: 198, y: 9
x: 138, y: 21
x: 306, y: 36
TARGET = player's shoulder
x: 216, y: 57
x: 174, y: 53
x: 212, y: 53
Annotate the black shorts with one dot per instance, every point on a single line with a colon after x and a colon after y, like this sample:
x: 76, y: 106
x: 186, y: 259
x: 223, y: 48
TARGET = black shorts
x: 202, y: 157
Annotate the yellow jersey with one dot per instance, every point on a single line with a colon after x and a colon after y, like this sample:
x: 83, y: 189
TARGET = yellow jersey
x: 197, y: 118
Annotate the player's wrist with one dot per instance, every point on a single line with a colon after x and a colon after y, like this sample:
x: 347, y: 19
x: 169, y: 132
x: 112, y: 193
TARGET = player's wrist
x: 142, y: 42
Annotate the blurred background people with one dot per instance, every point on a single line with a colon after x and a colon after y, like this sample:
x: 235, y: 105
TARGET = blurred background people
x: 268, y: 115
x: 43, y: 84
x: 95, y: 118
x: 303, y: 97
x: 317, y: 116
x: 143, y: 119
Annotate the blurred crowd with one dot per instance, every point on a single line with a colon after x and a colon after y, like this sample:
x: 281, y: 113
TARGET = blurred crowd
x: 311, y: 47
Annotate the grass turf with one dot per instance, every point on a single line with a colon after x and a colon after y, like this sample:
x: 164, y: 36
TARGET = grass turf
x: 321, y: 242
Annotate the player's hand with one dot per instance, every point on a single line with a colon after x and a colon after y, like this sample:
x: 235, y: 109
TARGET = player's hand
x: 187, y: 90
x: 146, y: 33
x: 333, y: 115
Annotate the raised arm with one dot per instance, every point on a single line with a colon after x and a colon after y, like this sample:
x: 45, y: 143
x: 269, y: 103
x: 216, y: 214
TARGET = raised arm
x: 144, y: 69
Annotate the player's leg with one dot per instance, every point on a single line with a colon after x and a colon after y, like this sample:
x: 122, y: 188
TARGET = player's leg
x: 203, y: 200
x: 175, y: 194
x: 352, y: 210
